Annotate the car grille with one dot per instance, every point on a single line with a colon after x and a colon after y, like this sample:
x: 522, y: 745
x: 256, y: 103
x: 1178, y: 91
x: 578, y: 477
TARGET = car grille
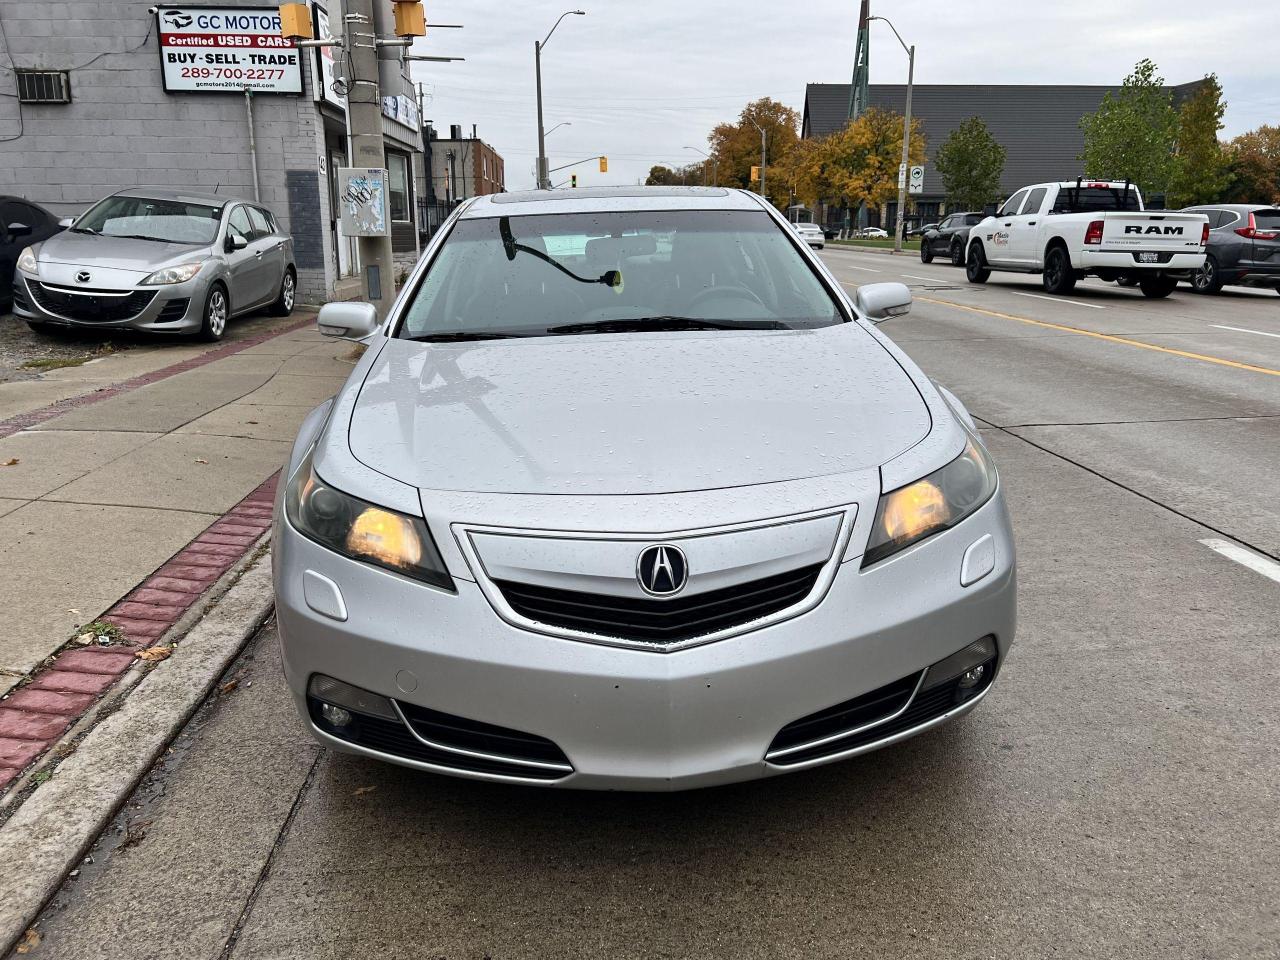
x: 822, y: 729
x: 660, y: 621
x: 503, y: 749
x: 173, y: 310
x: 86, y: 306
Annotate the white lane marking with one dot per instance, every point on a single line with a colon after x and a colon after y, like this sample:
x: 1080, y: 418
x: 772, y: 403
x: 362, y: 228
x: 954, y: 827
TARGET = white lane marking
x: 925, y: 279
x: 1072, y: 303
x: 1261, y: 333
x: 1246, y: 558
x: 851, y: 266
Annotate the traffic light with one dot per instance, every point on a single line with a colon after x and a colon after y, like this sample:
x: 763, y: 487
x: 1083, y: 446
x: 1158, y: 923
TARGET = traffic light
x: 755, y: 174
x: 604, y: 164
x: 411, y: 19
x: 295, y: 21
x: 573, y: 181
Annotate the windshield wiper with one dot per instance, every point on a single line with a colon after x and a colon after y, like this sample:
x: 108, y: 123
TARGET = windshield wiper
x: 138, y: 236
x: 636, y: 324
x: 463, y: 336
x: 89, y: 230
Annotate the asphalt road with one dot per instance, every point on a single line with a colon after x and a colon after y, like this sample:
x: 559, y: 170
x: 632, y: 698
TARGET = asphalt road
x: 1117, y: 795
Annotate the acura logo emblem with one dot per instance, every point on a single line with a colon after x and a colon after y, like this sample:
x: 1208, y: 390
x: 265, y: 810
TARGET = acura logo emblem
x: 662, y: 570
x: 83, y: 276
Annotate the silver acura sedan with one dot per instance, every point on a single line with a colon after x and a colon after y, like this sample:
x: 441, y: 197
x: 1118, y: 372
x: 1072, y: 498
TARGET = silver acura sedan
x: 627, y: 493
x: 158, y: 261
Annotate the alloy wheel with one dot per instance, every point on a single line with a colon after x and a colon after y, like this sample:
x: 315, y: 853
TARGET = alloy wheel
x: 217, y: 313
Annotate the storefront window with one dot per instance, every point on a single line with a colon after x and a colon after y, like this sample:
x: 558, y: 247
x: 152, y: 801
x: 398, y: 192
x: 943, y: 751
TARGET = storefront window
x: 398, y: 185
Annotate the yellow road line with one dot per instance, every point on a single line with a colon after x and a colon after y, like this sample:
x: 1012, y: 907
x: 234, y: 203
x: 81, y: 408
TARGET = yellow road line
x: 1105, y: 336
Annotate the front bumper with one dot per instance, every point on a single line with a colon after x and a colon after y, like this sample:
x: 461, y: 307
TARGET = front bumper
x: 174, y: 308
x: 630, y: 719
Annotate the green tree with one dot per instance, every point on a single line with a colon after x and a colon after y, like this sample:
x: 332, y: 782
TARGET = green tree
x: 1254, y: 164
x: 661, y: 175
x: 970, y: 162
x: 1201, y: 172
x: 1134, y: 132
x: 736, y: 147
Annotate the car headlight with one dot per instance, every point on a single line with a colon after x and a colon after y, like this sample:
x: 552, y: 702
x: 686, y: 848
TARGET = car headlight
x: 27, y: 261
x: 362, y: 531
x: 179, y: 274
x: 933, y: 504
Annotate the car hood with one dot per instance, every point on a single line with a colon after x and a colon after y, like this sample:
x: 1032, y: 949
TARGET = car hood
x: 618, y: 414
x: 116, y: 254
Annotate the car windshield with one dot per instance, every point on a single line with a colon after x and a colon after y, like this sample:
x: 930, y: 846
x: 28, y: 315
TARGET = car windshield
x: 616, y: 272
x: 143, y: 218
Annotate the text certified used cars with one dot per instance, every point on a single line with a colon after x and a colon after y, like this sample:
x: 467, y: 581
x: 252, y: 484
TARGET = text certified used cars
x: 160, y: 262
x: 627, y: 493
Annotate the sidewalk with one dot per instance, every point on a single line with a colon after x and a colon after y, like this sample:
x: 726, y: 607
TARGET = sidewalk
x: 141, y: 453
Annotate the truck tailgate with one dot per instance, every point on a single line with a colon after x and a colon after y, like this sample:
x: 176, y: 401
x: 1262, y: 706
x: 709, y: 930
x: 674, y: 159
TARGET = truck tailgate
x: 1160, y: 232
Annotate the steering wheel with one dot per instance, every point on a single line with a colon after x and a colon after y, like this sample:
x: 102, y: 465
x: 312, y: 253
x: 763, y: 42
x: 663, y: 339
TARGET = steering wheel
x: 729, y: 293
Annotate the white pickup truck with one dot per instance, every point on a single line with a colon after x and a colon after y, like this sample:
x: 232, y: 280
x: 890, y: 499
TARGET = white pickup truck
x: 1067, y: 231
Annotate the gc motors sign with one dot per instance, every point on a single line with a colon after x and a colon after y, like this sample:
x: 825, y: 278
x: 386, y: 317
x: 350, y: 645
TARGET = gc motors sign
x: 225, y: 50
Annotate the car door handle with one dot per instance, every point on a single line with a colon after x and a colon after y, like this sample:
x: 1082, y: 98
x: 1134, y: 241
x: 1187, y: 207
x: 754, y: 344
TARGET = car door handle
x: 1031, y: 223
x: 258, y: 255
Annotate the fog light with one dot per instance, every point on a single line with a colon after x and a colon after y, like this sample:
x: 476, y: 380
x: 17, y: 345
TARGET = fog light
x: 343, y: 695
x: 971, y: 678
x: 971, y: 661
x: 335, y: 715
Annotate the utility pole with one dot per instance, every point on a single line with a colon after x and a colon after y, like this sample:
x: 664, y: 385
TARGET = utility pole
x: 763, y: 159
x: 544, y: 176
x: 903, y: 171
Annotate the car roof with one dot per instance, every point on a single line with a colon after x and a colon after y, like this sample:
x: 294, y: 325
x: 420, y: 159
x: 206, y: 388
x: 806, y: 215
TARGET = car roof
x: 180, y: 196
x: 609, y: 200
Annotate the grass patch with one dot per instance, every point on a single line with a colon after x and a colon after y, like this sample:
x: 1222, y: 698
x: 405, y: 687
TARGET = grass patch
x: 54, y: 363
x: 886, y: 244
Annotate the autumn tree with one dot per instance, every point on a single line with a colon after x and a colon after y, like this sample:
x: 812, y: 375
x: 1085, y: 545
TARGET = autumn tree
x: 861, y: 161
x: 736, y: 147
x: 1254, y: 166
x: 1134, y: 132
x: 661, y: 175
x: 970, y: 162
x: 1200, y: 173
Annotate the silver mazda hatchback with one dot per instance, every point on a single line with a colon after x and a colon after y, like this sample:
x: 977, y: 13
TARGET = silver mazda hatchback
x: 626, y: 493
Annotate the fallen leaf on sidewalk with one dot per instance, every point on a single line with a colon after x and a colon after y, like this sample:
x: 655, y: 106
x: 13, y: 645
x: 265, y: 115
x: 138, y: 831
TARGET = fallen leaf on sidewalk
x: 30, y: 940
x: 154, y: 654
x: 229, y: 686
x: 361, y: 791
x: 12, y: 462
x: 198, y: 460
x: 254, y: 422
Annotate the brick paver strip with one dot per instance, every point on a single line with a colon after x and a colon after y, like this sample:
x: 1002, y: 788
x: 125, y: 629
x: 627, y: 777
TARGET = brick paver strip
x: 35, y: 715
x: 25, y: 421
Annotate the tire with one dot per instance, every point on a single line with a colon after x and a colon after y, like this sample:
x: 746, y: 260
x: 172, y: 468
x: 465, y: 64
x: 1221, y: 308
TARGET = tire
x: 1208, y: 279
x: 217, y: 310
x: 1157, y: 287
x: 288, y: 294
x: 957, y: 254
x: 975, y: 267
x: 1058, y: 276
x: 926, y: 253
x: 1127, y: 280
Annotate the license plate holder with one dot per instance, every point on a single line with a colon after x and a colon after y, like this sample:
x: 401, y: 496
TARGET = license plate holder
x: 1148, y: 257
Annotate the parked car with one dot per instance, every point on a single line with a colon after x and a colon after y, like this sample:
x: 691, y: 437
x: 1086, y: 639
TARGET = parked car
x: 610, y: 520
x: 21, y: 223
x: 1073, y: 229
x: 1244, y: 247
x: 870, y: 233
x: 159, y: 261
x: 918, y: 229
x: 948, y: 238
x: 811, y: 234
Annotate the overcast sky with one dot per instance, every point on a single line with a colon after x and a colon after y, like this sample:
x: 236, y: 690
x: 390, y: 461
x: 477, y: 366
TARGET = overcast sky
x: 640, y: 80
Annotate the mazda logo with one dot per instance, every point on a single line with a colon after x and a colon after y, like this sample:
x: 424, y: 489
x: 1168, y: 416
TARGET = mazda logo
x: 662, y: 570
x: 83, y: 276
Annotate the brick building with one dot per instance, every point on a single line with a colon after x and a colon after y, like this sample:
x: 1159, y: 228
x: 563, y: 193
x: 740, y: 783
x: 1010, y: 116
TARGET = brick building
x: 90, y: 104
x: 463, y: 167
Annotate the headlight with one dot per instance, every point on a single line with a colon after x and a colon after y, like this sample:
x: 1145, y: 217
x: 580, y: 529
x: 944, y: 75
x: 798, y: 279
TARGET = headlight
x: 931, y: 505
x: 27, y: 261
x: 179, y: 274
x: 361, y: 530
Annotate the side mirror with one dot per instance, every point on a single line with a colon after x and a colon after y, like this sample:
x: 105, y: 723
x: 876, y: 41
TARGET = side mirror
x: 66, y: 222
x: 349, y: 320
x: 19, y: 230
x: 880, y: 301
x: 235, y: 242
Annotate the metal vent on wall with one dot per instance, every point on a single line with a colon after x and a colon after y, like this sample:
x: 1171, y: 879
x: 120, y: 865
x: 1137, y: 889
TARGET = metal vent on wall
x: 44, y: 86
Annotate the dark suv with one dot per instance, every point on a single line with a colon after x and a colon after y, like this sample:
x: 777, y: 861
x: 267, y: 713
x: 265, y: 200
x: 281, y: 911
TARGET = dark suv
x: 1244, y: 247
x: 948, y: 238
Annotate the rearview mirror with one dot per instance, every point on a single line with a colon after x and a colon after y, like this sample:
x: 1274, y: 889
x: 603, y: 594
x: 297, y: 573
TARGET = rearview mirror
x: 236, y: 242
x: 880, y: 301
x: 66, y: 222
x: 348, y: 320
x: 19, y: 230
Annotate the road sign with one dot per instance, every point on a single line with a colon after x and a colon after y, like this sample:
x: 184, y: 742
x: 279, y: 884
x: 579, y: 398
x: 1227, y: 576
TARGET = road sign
x: 915, y: 184
x: 902, y: 175
x: 226, y: 50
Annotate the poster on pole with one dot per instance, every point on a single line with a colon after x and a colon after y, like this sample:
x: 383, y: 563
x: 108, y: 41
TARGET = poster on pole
x: 226, y: 50
x: 362, y: 197
x: 326, y: 72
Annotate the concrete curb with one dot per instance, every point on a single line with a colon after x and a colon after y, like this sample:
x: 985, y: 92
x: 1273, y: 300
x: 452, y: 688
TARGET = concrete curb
x: 879, y: 251
x: 49, y: 833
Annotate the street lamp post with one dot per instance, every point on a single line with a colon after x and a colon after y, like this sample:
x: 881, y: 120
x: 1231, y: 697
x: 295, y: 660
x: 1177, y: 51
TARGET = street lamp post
x: 715, y: 167
x: 544, y: 178
x: 906, y: 139
x: 763, y: 158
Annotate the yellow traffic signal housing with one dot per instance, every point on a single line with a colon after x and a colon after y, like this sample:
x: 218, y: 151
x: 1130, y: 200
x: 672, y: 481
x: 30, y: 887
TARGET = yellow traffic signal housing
x: 411, y: 19
x: 604, y: 164
x: 295, y: 21
x: 755, y: 174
